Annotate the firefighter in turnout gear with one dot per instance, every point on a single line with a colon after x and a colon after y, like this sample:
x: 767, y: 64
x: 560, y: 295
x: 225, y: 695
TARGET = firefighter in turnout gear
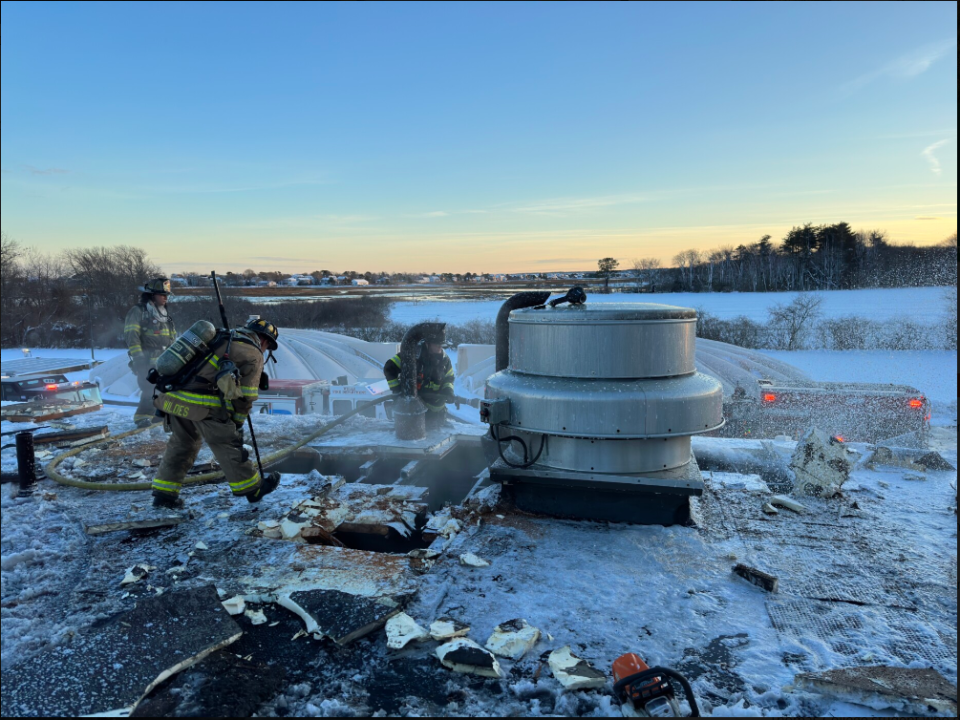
x: 148, y: 330
x: 212, y: 405
x: 434, y: 378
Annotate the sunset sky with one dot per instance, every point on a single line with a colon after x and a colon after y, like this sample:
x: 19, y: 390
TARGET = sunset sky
x: 455, y: 137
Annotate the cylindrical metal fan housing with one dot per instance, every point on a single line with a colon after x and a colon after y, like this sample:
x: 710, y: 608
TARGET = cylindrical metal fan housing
x: 612, y: 386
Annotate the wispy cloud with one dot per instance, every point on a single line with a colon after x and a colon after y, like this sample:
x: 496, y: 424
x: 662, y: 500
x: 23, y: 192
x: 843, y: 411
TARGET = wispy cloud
x: 926, y: 217
x: 906, y: 66
x: 45, y: 171
x: 929, y: 154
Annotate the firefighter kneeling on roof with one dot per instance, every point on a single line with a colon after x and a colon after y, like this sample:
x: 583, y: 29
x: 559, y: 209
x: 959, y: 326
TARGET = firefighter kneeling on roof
x: 434, y: 377
x: 213, y: 405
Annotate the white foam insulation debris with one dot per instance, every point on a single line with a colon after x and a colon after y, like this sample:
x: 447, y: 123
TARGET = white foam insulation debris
x: 471, y: 560
x: 821, y: 464
x: 904, y: 690
x: 234, y: 605
x: 513, y: 639
x: 136, y: 574
x: 736, y: 481
x: 385, y: 510
x: 403, y: 630
x: 447, y: 628
x: 422, y: 559
x: 463, y: 655
x: 782, y: 501
x: 117, y: 662
x: 270, y: 529
x: 574, y: 673
x: 442, y: 524
x: 256, y: 617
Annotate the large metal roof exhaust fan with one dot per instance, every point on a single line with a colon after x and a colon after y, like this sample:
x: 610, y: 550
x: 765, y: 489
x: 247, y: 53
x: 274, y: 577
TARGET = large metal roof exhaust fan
x: 593, y: 414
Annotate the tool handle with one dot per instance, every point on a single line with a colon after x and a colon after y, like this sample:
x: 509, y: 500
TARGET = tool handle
x: 223, y: 310
x: 256, y: 448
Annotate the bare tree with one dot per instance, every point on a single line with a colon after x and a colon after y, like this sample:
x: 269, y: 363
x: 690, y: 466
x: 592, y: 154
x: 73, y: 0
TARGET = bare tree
x: 792, y: 323
x: 645, y: 271
x: 111, y: 277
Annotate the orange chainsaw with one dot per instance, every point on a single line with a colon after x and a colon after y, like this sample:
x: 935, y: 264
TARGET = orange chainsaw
x: 649, y: 692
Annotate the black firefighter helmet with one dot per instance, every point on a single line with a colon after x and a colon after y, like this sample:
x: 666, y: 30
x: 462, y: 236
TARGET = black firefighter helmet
x: 435, y: 336
x: 266, y: 329
x: 158, y: 286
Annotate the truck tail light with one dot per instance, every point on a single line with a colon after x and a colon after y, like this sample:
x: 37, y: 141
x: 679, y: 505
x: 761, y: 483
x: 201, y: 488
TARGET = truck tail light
x: 916, y: 403
x: 769, y: 397
x: 52, y: 386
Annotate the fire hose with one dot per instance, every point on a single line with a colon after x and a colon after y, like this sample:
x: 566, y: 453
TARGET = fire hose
x: 54, y: 474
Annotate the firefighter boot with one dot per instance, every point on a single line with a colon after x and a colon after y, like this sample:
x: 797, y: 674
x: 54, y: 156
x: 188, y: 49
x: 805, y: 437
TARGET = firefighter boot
x: 267, y: 486
x: 167, y: 501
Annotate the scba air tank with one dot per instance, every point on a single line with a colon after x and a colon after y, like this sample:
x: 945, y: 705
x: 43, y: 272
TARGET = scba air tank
x: 186, y: 348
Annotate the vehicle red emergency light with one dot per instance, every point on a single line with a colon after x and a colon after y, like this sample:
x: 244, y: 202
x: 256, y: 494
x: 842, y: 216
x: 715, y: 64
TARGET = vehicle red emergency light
x: 769, y: 397
x: 916, y: 403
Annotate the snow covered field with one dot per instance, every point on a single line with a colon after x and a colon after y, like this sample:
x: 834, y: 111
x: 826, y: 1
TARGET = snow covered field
x: 924, y: 305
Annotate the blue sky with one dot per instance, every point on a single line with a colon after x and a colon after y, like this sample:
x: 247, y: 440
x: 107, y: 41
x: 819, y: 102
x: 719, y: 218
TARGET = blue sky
x: 455, y: 137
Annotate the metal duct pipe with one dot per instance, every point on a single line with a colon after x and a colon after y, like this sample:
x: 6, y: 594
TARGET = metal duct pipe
x: 408, y: 354
x: 520, y: 300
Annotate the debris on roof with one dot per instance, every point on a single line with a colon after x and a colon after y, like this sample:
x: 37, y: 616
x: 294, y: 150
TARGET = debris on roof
x: 447, y: 628
x: 574, y: 673
x: 907, y: 690
x: 463, y: 655
x: 756, y: 577
x: 136, y: 574
x: 821, y: 464
x: 403, y: 630
x: 513, y: 639
x: 471, y: 560
x: 340, y: 616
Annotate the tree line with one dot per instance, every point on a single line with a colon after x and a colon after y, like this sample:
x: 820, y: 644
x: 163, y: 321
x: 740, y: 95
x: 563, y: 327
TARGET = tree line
x: 810, y: 257
x: 80, y: 298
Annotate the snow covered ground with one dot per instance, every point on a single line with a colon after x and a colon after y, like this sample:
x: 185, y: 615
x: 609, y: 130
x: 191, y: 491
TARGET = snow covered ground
x: 925, y: 305
x: 866, y: 579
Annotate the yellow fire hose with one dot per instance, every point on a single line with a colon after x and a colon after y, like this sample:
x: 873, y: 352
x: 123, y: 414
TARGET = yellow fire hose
x: 58, y: 477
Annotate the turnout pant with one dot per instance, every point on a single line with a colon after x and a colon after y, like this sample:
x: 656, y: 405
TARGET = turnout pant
x: 145, y: 409
x: 224, y: 440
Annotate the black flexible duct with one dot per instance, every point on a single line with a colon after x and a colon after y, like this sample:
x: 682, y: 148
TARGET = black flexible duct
x: 520, y: 300
x: 408, y: 354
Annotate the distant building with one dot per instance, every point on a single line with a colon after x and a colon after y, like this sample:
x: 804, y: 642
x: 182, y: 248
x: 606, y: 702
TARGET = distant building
x: 359, y: 281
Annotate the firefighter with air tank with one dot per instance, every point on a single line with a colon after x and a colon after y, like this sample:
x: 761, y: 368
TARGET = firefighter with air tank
x: 211, y: 403
x: 434, y: 377
x: 148, y: 330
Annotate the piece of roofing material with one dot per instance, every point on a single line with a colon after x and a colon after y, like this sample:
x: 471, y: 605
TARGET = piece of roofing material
x: 113, y: 664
